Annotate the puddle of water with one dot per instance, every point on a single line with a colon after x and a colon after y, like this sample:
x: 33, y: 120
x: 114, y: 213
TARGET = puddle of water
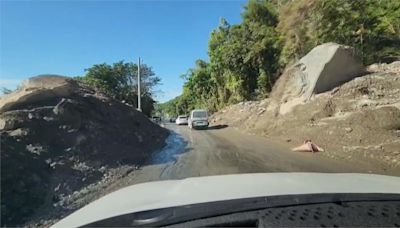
x: 176, y: 145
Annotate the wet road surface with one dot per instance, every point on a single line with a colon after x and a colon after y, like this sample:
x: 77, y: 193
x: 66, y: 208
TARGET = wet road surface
x: 223, y: 150
x: 218, y: 151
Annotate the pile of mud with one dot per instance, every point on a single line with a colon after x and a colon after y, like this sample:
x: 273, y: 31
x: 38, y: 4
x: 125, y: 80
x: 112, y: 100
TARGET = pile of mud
x: 58, y: 136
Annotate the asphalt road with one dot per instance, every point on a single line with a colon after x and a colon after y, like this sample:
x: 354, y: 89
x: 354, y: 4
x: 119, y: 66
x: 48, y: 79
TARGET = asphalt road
x: 223, y: 150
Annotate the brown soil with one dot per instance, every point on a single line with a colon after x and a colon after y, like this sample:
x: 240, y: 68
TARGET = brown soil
x: 359, y: 120
x: 57, y: 138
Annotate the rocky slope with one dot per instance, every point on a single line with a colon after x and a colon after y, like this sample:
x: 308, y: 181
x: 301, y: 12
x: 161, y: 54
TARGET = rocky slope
x: 357, y: 120
x: 57, y: 138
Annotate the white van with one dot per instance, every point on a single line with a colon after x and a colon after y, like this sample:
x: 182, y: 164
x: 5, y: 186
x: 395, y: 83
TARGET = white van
x: 198, y: 119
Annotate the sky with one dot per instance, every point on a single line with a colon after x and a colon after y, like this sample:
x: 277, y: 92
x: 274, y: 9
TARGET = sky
x: 66, y: 37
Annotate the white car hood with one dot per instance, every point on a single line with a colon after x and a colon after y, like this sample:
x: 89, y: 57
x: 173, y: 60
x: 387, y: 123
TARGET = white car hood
x: 170, y: 193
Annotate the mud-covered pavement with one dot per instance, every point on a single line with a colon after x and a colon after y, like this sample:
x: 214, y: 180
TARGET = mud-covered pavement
x: 223, y: 150
x: 215, y: 151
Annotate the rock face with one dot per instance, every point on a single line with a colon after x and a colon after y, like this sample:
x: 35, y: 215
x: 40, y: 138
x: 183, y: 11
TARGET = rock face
x: 58, y: 136
x: 322, y: 69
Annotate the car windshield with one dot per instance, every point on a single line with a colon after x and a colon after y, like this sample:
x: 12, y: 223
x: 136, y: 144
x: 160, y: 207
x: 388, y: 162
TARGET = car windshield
x: 97, y: 96
x: 200, y: 114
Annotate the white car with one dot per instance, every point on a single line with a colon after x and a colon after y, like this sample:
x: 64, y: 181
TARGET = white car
x: 198, y: 119
x: 181, y: 120
x: 244, y: 200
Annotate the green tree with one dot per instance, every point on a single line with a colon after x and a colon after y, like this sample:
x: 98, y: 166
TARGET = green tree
x: 239, y: 53
x: 170, y: 107
x: 371, y: 26
x: 262, y: 82
x: 119, y: 80
x: 296, y: 29
x: 246, y: 58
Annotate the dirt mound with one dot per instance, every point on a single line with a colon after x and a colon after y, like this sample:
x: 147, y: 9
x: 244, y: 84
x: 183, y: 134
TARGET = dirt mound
x: 58, y: 136
x: 323, y: 68
x: 38, y: 89
x: 359, y: 120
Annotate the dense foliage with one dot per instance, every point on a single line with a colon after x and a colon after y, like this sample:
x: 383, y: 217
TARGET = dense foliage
x: 246, y: 59
x: 119, y: 81
x: 371, y: 26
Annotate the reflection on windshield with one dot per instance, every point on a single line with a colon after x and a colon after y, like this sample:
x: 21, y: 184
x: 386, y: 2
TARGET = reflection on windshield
x: 199, y: 115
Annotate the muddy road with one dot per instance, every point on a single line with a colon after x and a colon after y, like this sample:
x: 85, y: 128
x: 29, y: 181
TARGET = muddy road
x: 216, y: 151
x: 223, y: 150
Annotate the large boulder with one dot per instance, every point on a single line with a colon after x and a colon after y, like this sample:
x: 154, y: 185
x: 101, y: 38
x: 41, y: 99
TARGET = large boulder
x: 38, y: 89
x: 323, y: 68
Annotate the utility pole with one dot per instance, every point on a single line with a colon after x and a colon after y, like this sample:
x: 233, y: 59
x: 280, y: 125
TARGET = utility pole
x: 139, y: 94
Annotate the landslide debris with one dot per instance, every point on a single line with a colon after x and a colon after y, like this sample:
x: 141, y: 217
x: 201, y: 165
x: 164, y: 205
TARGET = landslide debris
x: 323, y: 68
x: 355, y: 117
x: 58, y: 137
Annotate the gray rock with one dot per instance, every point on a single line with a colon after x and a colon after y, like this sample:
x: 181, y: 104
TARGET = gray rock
x: 323, y: 68
x: 35, y: 149
x: 36, y: 89
x: 56, y: 189
x: 261, y: 111
x: 48, y: 119
x: 18, y: 132
x: 348, y: 129
x: 102, y: 169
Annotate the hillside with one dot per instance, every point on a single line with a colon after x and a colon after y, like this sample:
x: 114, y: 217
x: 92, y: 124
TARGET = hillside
x: 355, y: 120
x: 246, y: 59
x: 58, y: 139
